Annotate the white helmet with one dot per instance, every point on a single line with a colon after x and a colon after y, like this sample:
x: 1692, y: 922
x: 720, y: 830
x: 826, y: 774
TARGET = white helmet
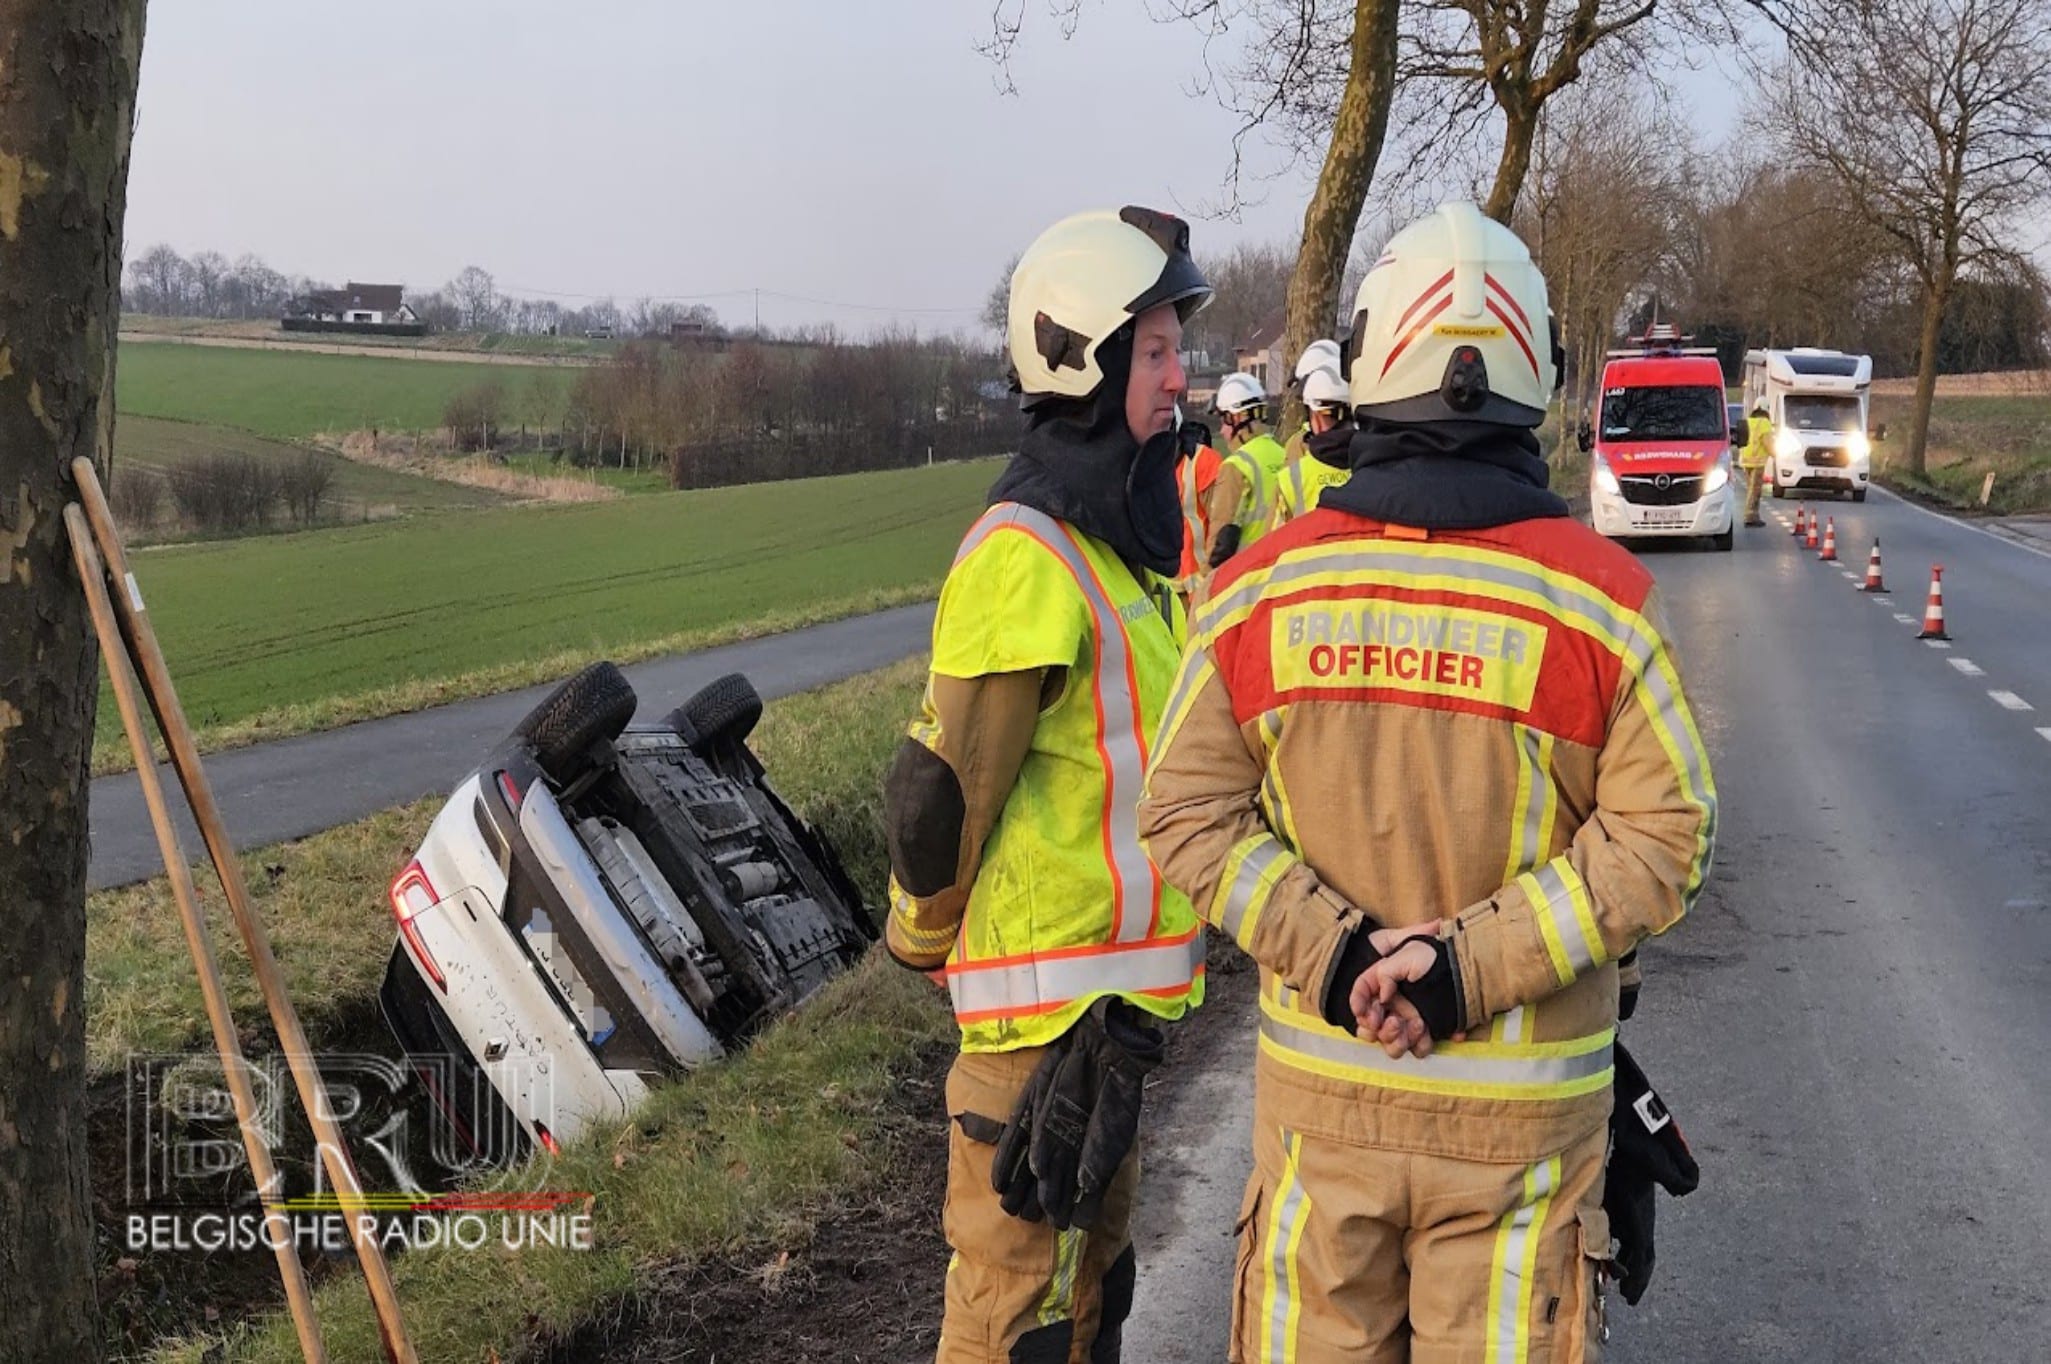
x: 1452, y: 324
x: 1240, y: 392
x: 1324, y: 388
x: 1317, y: 355
x: 1082, y: 280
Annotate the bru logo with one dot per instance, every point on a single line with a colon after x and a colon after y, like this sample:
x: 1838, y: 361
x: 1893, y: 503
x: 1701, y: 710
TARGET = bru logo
x: 1451, y: 651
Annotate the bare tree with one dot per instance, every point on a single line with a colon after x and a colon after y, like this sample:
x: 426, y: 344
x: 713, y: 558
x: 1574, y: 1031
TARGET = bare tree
x: 1251, y: 284
x: 997, y: 303
x: 1935, y: 115
x: 476, y: 297
x: 65, y: 119
x: 160, y: 280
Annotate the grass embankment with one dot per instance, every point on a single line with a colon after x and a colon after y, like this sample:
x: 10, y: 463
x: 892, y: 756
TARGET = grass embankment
x: 293, y: 633
x: 288, y: 395
x: 434, y: 345
x: 736, y: 1155
x: 2009, y: 437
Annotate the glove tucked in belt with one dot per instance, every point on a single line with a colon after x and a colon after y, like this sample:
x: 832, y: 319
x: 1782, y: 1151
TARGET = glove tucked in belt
x: 1646, y: 1149
x: 1077, y: 1118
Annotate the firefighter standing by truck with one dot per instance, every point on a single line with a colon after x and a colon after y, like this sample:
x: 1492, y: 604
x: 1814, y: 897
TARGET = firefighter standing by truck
x: 1754, y: 458
x: 1438, y: 913
x: 1010, y: 809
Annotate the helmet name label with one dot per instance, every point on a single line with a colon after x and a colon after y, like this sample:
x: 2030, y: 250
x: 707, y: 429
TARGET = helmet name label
x: 1431, y: 650
x: 1469, y: 332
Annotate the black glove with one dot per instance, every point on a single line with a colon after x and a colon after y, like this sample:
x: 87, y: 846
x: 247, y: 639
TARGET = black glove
x: 1078, y: 1117
x: 1627, y: 995
x: 1355, y: 956
x: 1436, y: 997
x: 1225, y: 546
x: 1646, y: 1151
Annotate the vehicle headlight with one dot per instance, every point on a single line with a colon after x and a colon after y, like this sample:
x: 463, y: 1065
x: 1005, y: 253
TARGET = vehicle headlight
x: 1604, y: 479
x: 1859, y: 445
x: 1718, y: 476
x: 1786, y: 444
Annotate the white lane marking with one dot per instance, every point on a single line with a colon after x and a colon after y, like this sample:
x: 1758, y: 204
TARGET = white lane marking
x: 2008, y: 700
x: 1967, y: 666
x: 1851, y: 575
x: 1962, y: 525
x: 2044, y: 734
x: 1938, y: 643
x: 1885, y: 601
x: 1905, y: 620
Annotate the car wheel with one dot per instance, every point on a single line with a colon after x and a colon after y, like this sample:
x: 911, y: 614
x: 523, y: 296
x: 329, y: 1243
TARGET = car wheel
x: 1859, y: 495
x: 1723, y: 541
x: 725, y: 710
x: 1779, y: 492
x: 594, y: 705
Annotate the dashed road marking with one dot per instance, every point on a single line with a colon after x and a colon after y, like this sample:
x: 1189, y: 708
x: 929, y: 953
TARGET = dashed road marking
x: 1884, y: 601
x: 2008, y: 700
x: 1850, y: 575
x: 1967, y: 666
x: 2044, y: 734
x: 1905, y: 620
x: 1938, y: 643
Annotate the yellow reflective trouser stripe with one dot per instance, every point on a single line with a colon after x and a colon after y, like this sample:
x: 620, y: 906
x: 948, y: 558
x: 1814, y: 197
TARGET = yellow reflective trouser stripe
x: 1566, y: 918
x: 1531, y: 833
x: 1282, y: 1293
x: 1526, y: 1071
x: 1246, y: 885
x: 1059, y: 1304
x: 1274, y: 798
x: 1514, y: 1265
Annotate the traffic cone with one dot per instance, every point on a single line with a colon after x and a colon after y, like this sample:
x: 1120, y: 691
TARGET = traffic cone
x: 1873, y: 582
x: 1933, y: 614
x: 1809, y: 541
x: 1801, y: 520
x: 1829, y: 553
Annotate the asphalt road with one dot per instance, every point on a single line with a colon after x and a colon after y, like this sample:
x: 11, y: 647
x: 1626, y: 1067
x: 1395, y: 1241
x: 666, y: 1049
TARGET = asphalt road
x: 290, y: 788
x: 1854, y: 1026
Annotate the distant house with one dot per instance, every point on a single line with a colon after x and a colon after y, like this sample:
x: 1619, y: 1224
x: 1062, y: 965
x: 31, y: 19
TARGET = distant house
x: 1261, y: 354
x: 354, y: 307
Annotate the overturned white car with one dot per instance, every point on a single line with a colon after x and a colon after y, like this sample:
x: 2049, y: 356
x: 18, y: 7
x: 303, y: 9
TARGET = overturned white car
x: 598, y: 905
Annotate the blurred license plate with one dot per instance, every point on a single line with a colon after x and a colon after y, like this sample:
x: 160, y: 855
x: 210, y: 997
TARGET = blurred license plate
x: 1667, y: 516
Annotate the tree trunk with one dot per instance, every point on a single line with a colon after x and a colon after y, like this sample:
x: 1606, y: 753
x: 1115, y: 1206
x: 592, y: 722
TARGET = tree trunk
x: 1519, y: 126
x: 1334, y: 212
x: 67, y: 101
x: 1934, y: 301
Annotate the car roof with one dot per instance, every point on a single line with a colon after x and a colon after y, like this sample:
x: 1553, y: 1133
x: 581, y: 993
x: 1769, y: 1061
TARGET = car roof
x: 1663, y: 371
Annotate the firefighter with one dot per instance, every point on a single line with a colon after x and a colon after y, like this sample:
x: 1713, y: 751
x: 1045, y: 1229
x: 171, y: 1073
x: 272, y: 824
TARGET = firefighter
x: 1195, y: 477
x: 1243, y: 499
x: 1016, y: 867
x: 1328, y: 459
x: 1429, y: 763
x: 1320, y: 354
x: 1753, y: 458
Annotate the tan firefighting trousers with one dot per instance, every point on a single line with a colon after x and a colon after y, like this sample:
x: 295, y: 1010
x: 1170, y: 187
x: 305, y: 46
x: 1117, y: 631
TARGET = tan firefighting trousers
x: 1755, y: 479
x: 1021, y: 1292
x: 1362, y: 1255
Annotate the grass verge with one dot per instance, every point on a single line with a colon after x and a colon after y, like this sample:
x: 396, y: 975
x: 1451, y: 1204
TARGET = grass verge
x: 292, y: 633
x: 2008, y: 437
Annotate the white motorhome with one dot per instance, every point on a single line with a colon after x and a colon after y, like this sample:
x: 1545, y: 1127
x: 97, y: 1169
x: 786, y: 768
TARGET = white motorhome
x: 1817, y: 402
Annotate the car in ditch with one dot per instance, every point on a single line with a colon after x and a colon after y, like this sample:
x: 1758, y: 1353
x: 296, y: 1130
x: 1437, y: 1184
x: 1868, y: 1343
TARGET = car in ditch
x: 601, y: 904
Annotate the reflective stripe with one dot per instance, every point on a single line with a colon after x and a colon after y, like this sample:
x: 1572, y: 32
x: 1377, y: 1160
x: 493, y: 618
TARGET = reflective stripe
x: 1660, y: 695
x: 1040, y: 984
x: 1483, y: 1070
x: 1197, y: 669
x: 1514, y: 1263
x: 1246, y: 885
x: 1282, y: 1298
x: 1566, y: 919
x: 1274, y: 798
x: 1135, y: 883
x: 1059, y: 1303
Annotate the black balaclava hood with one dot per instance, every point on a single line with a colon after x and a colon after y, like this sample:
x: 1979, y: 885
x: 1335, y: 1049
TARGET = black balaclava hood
x: 1333, y: 447
x: 1079, y: 464
x: 1445, y: 475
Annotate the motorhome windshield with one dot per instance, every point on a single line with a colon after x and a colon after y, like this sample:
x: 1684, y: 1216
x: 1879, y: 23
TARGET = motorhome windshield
x: 1693, y: 412
x: 1812, y: 413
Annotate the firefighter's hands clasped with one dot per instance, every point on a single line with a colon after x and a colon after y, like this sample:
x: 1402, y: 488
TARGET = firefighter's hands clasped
x: 1408, y: 998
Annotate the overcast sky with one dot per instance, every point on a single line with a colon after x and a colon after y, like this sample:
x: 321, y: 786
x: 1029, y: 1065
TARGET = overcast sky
x: 831, y: 153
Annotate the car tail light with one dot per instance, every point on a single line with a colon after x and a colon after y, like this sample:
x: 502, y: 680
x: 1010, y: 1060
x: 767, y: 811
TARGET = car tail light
x: 547, y: 1138
x: 412, y: 894
x: 510, y: 790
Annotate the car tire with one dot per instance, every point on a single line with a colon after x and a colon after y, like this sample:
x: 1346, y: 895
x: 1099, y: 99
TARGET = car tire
x: 1779, y: 492
x: 594, y: 705
x: 1859, y: 495
x: 1722, y: 543
x: 723, y: 711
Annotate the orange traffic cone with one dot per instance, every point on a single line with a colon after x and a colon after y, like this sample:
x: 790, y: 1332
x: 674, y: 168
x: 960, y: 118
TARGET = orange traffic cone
x: 1801, y: 521
x: 1873, y: 582
x: 1809, y: 541
x: 1829, y: 554
x: 1933, y: 614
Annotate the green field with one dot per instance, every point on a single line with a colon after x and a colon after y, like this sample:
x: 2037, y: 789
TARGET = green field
x: 361, y: 491
x: 288, y: 633
x: 277, y: 393
x: 1969, y: 439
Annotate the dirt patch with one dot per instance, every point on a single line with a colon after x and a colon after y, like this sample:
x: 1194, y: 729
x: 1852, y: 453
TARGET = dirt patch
x: 422, y: 457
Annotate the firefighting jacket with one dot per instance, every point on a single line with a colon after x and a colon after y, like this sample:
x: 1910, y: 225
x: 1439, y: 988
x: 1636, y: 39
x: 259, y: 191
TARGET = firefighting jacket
x: 1382, y: 725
